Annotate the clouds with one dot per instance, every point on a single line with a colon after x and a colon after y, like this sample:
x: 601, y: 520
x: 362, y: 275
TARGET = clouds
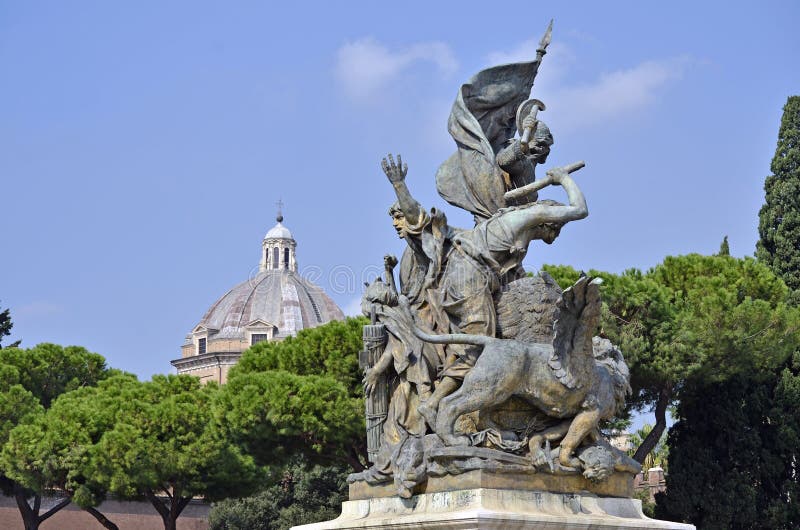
x: 365, y: 67
x: 583, y: 104
x: 613, y: 95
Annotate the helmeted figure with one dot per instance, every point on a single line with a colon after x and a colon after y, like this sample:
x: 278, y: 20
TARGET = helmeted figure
x: 483, y: 121
x: 474, y: 388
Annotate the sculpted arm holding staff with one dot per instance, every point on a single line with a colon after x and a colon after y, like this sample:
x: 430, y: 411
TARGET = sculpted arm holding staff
x: 470, y: 362
x: 471, y: 265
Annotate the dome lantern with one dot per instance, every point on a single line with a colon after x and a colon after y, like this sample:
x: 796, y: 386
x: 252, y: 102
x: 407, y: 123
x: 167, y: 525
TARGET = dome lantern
x: 278, y: 247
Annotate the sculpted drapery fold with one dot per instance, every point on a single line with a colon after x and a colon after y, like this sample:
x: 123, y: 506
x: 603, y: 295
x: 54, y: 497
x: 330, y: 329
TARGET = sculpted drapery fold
x: 482, y: 121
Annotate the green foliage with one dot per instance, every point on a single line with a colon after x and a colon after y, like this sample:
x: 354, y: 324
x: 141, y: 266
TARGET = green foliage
x: 134, y: 440
x: 18, y: 406
x: 49, y: 370
x: 724, y: 248
x: 298, y: 494
x: 733, y: 460
x: 5, y: 327
x: 299, y: 396
x: 693, y: 317
x: 30, y: 381
x: 331, y: 350
x: 779, y: 218
x: 275, y: 414
x: 783, y: 510
x: 708, y: 316
x: 166, y: 441
x: 730, y: 316
x: 648, y: 506
x: 54, y: 450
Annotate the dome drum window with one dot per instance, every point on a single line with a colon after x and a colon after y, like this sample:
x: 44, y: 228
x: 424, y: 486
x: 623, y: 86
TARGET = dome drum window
x: 255, y: 338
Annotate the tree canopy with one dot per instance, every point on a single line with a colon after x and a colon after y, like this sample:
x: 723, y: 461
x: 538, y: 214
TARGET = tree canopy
x: 30, y: 381
x: 746, y: 439
x: 779, y: 218
x: 54, y: 451
x: 298, y: 494
x: 301, y: 395
x: 693, y: 316
x: 297, y: 407
x: 166, y: 448
x: 5, y: 327
x: 330, y: 350
x: 734, y: 452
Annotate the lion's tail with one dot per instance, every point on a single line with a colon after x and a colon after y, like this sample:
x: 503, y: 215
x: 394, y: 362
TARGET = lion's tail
x: 452, y: 338
x: 446, y: 338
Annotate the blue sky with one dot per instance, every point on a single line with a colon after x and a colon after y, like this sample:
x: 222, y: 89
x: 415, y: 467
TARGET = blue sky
x: 143, y: 145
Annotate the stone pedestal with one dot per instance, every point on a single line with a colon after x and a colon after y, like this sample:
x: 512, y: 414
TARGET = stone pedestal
x: 617, y: 485
x: 496, y: 509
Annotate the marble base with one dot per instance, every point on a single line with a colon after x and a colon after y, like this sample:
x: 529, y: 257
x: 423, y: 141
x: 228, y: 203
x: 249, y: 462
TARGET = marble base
x: 496, y: 509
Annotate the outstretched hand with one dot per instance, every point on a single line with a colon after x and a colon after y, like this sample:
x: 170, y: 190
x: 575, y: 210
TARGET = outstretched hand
x: 395, y: 172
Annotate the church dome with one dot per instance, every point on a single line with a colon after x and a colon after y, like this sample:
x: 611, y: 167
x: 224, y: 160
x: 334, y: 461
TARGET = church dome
x: 278, y: 299
x: 274, y: 304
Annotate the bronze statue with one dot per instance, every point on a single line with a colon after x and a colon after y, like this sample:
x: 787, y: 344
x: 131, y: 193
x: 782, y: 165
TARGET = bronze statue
x: 491, y: 368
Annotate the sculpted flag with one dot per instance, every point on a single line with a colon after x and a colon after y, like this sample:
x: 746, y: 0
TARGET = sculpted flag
x: 481, y: 122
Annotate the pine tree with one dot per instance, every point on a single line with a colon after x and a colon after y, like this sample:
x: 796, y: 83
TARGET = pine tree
x: 724, y: 248
x: 779, y: 218
x: 5, y: 327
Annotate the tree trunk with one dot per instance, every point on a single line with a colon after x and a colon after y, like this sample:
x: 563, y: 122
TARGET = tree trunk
x: 169, y: 515
x: 170, y: 524
x: 30, y: 519
x: 102, y: 519
x: 651, y: 440
x: 54, y: 509
x: 160, y: 508
x: 352, y: 457
x: 30, y: 515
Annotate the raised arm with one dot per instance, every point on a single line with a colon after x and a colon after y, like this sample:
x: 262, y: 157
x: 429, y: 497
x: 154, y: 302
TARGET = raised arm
x: 396, y: 173
x: 538, y: 214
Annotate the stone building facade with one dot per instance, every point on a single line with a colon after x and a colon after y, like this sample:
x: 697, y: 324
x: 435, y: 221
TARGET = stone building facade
x: 274, y: 304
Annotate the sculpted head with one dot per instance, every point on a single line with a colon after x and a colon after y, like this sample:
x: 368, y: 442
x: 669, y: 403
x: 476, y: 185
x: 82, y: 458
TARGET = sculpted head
x: 598, y: 463
x: 609, y: 357
x: 539, y: 146
x: 547, y: 232
x: 377, y: 293
x: 399, y: 220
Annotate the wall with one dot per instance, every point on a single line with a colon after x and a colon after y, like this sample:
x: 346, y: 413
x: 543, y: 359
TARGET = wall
x: 126, y: 515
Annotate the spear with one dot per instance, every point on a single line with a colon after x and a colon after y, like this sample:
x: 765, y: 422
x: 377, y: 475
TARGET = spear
x: 546, y: 38
x: 532, y: 106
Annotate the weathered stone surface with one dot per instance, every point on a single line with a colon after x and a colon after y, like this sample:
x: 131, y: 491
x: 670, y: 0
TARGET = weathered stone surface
x: 617, y: 485
x: 481, y: 508
x: 497, y: 378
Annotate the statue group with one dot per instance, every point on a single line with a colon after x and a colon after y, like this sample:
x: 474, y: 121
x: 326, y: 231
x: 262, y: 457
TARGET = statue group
x: 470, y: 362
